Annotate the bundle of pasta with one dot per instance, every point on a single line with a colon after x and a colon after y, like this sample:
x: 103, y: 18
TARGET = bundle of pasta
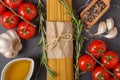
x: 59, y: 40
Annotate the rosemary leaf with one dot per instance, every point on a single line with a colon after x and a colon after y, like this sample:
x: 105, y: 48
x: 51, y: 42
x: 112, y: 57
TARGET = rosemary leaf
x: 78, y: 37
x: 43, y: 59
x: 50, y: 72
x: 42, y: 41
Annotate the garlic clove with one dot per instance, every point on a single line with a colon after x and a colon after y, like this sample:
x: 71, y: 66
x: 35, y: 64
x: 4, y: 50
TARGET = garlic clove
x: 9, y: 54
x: 4, y: 43
x: 112, y: 34
x: 101, y: 29
x: 6, y: 36
x: 13, y: 34
x: 110, y: 24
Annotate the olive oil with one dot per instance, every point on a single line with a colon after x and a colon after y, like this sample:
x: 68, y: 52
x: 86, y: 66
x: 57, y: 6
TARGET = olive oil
x: 18, y: 70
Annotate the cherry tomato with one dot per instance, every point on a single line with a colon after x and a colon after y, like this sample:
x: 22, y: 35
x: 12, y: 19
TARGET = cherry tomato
x: 97, y: 47
x: 9, y: 20
x: 2, y: 9
x: 110, y: 59
x: 117, y: 71
x: 28, y: 11
x: 13, y: 3
x: 111, y: 78
x: 100, y: 74
x: 86, y: 63
x: 26, y: 31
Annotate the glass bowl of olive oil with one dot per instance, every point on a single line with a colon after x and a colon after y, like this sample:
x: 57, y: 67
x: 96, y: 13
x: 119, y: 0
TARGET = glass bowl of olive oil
x: 18, y: 69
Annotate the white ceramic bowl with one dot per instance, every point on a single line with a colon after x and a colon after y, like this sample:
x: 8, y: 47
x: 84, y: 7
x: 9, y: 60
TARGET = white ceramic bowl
x: 30, y: 71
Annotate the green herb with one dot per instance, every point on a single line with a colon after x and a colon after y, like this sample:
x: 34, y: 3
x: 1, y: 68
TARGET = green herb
x: 78, y: 37
x: 42, y: 41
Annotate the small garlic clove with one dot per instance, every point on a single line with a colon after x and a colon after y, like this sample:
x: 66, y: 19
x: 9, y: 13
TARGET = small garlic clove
x: 112, y: 34
x: 6, y: 36
x: 9, y: 54
x: 101, y: 28
x: 13, y: 34
x: 4, y: 43
x: 110, y: 24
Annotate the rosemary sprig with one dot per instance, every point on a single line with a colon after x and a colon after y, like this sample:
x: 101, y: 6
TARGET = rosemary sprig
x: 78, y: 37
x: 42, y: 41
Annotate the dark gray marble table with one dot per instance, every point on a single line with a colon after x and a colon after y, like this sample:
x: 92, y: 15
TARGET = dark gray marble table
x: 31, y: 49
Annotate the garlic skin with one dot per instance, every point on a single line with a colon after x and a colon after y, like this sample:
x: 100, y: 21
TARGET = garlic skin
x: 112, y: 34
x: 10, y: 44
x: 108, y: 27
x: 110, y: 24
x: 102, y: 28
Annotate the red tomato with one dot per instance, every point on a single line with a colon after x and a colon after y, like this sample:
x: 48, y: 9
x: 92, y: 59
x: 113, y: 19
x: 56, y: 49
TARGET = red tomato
x: 100, y: 74
x: 110, y: 59
x: 27, y: 10
x: 26, y: 31
x: 9, y: 20
x: 86, y: 63
x: 97, y: 47
x: 2, y: 9
x: 111, y: 78
x: 13, y: 3
x: 117, y: 71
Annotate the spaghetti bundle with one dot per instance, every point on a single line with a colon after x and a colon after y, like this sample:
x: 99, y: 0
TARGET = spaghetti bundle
x: 59, y: 41
x: 56, y: 11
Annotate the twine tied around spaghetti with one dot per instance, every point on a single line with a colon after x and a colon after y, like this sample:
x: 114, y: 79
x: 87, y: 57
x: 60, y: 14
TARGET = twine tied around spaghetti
x: 52, y: 42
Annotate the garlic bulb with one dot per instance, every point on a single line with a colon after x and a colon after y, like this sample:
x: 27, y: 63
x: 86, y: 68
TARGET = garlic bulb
x: 112, y: 34
x: 101, y: 28
x: 110, y: 24
x: 10, y: 44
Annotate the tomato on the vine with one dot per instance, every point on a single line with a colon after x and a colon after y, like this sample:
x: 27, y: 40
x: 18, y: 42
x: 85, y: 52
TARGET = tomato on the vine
x: 111, y: 78
x: 97, y: 48
x: 110, y: 59
x: 26, y: 31
x: 2, y: 9
x: 13, y: 3
x: 86, y: 63
x: 100, y: 74
x: 117, y: 71
x: 28, y: 11
x: 9, y: 20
